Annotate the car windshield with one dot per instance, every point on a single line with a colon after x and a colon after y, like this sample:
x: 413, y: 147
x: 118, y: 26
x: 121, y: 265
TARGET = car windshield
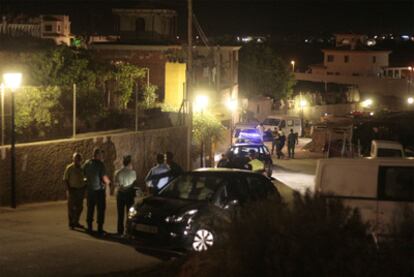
x: 271, y: 121
x: 200, y: 187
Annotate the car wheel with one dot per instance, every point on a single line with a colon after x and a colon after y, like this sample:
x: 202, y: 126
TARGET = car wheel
x: 203, y: 240
x: 269, y: 169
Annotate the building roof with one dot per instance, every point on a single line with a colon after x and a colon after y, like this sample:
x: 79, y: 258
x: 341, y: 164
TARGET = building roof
x: 358, y: 49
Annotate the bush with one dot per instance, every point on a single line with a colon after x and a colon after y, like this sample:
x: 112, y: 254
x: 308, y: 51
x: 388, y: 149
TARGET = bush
x: 314, y: 237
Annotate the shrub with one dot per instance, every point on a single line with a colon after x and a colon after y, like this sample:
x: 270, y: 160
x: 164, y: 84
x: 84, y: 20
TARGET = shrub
x: 313, y: 237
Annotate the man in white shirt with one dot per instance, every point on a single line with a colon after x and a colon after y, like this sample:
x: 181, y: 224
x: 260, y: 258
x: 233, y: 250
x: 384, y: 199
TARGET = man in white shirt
x: 125, y: 179
x: 159, y: 175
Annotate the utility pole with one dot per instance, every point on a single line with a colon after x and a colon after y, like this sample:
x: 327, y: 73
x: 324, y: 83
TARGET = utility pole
x: 2, y: 89
x: 74, y: 112
x: 189, y: 80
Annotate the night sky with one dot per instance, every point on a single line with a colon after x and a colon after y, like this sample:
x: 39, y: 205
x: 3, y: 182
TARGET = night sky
x: 233, y: 17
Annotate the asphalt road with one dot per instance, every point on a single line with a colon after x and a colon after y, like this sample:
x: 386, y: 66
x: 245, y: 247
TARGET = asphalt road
x: 35, y: 241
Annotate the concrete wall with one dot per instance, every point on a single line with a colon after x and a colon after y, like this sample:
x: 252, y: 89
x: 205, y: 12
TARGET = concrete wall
x: 40, y: 166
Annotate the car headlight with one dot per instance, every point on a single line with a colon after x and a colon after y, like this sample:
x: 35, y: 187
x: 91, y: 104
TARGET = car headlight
x: 132, y: 212
x: 180, y: 218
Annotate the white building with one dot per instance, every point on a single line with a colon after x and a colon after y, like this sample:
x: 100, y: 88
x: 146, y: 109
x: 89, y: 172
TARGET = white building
x: 54, y: 27
x: 353, y: 62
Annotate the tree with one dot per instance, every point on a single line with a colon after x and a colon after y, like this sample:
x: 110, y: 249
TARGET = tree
x: 35, y: 107
x: 149, y: 96
x: 126, y: 76
x: 207, y: 130
x: 263, y: 72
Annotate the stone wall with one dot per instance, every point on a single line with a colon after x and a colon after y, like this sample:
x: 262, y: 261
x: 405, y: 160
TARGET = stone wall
x: 40, y: 165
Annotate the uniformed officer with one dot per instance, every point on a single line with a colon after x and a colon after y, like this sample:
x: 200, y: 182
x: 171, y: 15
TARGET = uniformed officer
x: 96, y: 182
x: 75, y: 187
x: 255, y: 164
x: 124, y: 184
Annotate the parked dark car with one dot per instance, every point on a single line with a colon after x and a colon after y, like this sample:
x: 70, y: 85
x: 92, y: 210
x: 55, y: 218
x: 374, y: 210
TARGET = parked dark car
x: 190, y: 212
x: 243, y: 149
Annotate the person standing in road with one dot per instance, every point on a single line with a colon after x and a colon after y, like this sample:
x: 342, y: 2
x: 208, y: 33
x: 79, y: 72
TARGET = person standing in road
x: 75, y: 187
x: 96, y: 183
x: 275, y: 139
x: 158, y: 176
x: 292, y: 142
x: 175, y: 168
x: 279, y: 148
x: 125, y: 179
x: 261, y: 130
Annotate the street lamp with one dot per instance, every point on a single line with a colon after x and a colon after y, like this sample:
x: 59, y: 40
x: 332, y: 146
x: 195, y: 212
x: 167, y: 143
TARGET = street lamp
x: 292, y: 62
x: 232, y: 106
x: 302, y: 104
x: 410, y: 100
x: 200, y: 103
x: 13, y: 81
x: 367, y: 103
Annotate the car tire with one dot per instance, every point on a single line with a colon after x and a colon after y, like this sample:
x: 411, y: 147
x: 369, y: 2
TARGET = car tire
x: 269, y: 169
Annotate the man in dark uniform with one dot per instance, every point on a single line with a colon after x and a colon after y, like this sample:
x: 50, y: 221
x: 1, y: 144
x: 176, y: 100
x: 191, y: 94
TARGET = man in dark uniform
x: 292, y: 142
x: 75, y: 186
x: 175, y: 168
x: 96, y: 183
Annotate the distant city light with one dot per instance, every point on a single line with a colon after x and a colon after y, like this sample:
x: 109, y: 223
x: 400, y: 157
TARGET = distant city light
x: 405, y: 37
x: 410, y: 100
x: 247, y: 39
x: 409, y: 68
x: 371, y: 113
x: 371, y: 42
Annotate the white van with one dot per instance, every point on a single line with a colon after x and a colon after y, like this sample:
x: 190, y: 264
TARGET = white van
x: 284, y: 123
x: 386, y: 148
x: 380, y: 188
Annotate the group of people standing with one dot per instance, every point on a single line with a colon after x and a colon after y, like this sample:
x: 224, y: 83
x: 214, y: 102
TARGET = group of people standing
x: 91, y: 178
x: 279, y: 140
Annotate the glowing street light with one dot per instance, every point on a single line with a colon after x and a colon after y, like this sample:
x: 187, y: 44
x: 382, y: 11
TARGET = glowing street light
x: 13, y: 82
x: 410, y: 100
x: 367, y: 103
x: 303, y: 103
x: 292, y: 62
x: 200, y: 103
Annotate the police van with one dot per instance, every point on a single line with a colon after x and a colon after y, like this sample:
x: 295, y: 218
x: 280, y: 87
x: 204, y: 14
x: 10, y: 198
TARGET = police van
x: 284, y: 123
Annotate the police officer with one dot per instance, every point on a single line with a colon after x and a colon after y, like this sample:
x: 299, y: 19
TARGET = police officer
x: 75, y: 186
x: 96, y: 183
x: 124, y: 184
x: 255, y: 164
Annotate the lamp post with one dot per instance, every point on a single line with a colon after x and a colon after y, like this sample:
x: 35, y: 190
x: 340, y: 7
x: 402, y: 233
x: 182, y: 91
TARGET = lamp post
x: 292, y: 62
x: 302, y: 104
x: 232, y: 106
x: 13, y: 81
x: 2, y: 113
